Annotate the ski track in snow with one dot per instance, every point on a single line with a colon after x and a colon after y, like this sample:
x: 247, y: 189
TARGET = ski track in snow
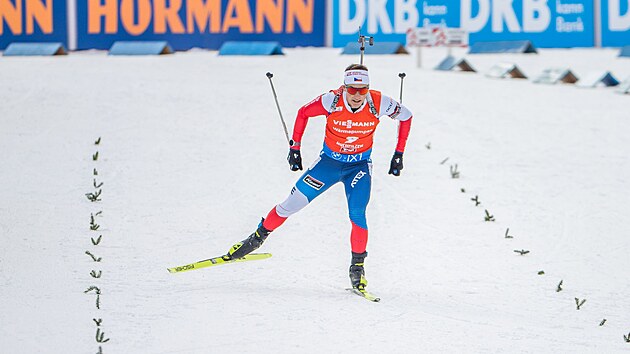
x: 192, y: 155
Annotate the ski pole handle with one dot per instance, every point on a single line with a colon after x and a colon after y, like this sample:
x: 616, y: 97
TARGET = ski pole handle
x: 362, y: 40
x: 401, y: 76
x: 284, y: 125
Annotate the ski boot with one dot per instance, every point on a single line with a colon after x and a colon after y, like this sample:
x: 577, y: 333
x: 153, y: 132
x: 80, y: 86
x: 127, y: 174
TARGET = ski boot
x: 357, y: 273
x: 248, y: 245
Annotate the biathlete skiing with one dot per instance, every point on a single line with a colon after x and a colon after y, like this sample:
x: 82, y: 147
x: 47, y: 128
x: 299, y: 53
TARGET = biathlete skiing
x: 352, y: 112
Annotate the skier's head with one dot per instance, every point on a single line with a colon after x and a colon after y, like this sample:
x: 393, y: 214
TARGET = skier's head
x: 357, y: 83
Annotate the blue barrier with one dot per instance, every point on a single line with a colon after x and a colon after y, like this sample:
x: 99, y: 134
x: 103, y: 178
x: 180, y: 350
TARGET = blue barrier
x: 555, y: 75
x: 35, y: 48
x: 502, y: 47
x: 140, y: 48
x: 250, y: 48
x: 602, y: 78
x: 505, y: 70
x: 625, y: 51
x: 379, y: 48
x: 450, y: 62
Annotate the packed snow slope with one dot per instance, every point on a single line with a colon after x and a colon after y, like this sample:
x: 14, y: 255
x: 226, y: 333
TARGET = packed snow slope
x: 193, y: 154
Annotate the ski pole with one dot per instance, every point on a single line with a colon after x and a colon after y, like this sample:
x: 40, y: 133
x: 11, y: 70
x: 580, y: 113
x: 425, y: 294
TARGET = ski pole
x: 401, y: 76
x: 284, y: 125
x: 362, y: 43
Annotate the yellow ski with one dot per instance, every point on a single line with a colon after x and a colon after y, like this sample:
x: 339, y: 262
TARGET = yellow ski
x: 217, y: 261
x: 365, y: 294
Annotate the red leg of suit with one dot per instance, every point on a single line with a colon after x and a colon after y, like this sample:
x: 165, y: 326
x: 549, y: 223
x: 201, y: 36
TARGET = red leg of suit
x: 273, y: 220
x: 358, y: 236
x: 358, y: 239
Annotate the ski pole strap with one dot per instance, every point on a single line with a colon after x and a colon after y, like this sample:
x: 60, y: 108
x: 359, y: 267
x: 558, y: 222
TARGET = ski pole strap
x: 372, y: 106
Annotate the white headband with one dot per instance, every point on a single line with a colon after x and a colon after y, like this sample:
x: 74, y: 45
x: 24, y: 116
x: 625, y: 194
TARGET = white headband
x: 356, y: 77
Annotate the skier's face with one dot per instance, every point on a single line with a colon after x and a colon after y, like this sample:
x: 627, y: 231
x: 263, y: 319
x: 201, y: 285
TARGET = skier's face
x: 356, y: 95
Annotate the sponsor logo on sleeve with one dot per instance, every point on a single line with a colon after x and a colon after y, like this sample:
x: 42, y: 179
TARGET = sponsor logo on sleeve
x: 391, y: 103
x: 397, y: 112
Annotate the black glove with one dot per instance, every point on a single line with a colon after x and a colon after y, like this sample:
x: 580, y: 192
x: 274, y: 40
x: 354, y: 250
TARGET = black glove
x: 397, y: 164
x: 295, y: 159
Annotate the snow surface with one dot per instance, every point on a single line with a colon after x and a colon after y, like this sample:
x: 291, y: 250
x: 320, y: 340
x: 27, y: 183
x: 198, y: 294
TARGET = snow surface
x: 193, y: 155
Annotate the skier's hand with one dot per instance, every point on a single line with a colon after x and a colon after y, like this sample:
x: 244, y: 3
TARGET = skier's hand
x: 397, y: 164
x: 295, y: 159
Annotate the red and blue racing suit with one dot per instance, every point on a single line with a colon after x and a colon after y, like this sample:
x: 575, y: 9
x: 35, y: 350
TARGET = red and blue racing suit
x: 345, y: 156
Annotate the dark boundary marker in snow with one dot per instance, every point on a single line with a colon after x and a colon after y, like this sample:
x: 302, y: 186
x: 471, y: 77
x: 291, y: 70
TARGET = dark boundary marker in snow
x: 35, y: 49
x: 555, y: 75
x: 598, y: 78
x: 505, y: 70
x: 250, y: 48
x: 379, y: 48
x: 502, y: 47
x: 140, y: 48
x: 625, y: 52
x: 451, y: 63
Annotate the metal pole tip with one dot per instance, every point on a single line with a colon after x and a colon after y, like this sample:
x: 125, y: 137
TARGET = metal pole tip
x: 269, y: 75
x: 402, y: 75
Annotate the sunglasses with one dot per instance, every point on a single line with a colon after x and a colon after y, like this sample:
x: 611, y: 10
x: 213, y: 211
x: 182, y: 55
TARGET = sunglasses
x: 354, y: 90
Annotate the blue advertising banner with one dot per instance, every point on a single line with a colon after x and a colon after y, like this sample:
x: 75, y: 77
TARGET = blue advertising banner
x: 388, y: 21
x: 547, y: 23
x: 33, y: 21
x: 207, y: 24
x: 555, y: 23
x: 615, y: 23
